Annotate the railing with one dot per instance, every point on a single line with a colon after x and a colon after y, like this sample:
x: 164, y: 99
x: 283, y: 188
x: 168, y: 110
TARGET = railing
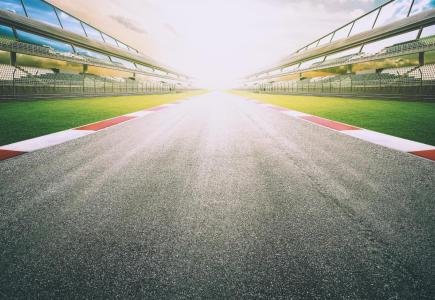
x: 36, y: 50
x: 418, y: 46
x: 400, y: 26
x: 16, y: 84
x: 54, y: 32
x: 376, y: 84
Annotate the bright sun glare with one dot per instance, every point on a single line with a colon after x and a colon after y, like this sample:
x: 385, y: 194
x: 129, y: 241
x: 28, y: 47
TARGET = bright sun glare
x: 215, y: 41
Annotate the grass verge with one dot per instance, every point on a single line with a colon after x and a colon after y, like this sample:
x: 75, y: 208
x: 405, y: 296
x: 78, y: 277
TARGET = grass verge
x: 21, y: 120
x: 410, y: 120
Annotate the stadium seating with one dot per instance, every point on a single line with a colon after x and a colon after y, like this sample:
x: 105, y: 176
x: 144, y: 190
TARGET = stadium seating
x: 404, y: 80
x: 410, y: 45
x: 428, y: 72
x: 30, y: 81
x: 43, y: 51
x: 395, y: 49
x: 8, y: 72
x: 36, y: 71
x: 398, y: 71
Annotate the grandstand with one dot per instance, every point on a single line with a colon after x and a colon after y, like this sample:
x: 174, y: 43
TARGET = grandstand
x: 46, y: 52
x: 387, y: 52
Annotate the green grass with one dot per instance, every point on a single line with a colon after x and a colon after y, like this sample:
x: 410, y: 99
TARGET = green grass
x: 21, y: 120
x: 405, y: 119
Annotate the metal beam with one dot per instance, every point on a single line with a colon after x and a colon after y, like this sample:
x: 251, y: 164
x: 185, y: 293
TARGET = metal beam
x: 398, y: 27
x: 50, y: 31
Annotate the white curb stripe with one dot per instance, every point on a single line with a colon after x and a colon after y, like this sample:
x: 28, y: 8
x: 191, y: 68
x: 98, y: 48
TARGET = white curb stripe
x: 267, y: 105
x: 297, y: 114
x: 388, y: 141
x: 373, y: 137
x: 164, y: 106
x: 47, y: 140
x: 139, y: 114
x: 57, y: 138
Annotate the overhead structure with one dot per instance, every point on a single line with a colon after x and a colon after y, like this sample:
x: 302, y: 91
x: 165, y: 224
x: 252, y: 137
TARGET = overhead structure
x: 386, y: 49
x: 40, y: 42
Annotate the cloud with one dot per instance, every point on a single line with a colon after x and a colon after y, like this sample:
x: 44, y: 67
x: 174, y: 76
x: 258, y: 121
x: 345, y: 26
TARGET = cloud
x: 127, y: 23
x: 356, y: 13
x: 217, y: 39
x: 171, y: 29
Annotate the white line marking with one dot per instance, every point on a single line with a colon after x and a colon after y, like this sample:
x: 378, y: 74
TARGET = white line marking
x: 163, y: 105
x: 139, y: 114
x: 388, y: 141
x: 373, y: 137
x: 294, y: 113
x: 47, y: 140
x: 268, y: 105
x: 57, y: 138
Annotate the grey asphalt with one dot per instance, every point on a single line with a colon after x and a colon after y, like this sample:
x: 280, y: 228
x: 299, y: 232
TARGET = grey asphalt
x: 217, y: 197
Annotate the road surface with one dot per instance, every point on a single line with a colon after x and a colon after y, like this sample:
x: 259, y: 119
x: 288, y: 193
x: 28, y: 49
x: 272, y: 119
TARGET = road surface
x: 217, y: 197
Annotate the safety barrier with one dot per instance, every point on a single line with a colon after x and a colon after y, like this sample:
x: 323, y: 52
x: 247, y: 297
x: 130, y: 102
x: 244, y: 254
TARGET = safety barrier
x: 26, y: 82
x: 409, y: 82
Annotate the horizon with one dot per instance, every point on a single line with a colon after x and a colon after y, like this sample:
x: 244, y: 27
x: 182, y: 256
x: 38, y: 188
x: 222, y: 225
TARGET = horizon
x: 192, y: 37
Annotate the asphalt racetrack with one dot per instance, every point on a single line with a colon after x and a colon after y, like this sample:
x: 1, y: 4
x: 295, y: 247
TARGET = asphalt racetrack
x: 217, y: 197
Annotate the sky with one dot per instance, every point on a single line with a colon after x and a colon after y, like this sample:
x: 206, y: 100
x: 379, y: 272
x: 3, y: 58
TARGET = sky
x: 217, y: 41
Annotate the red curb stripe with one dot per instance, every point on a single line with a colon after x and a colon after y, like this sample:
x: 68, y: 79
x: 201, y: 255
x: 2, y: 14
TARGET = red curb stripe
x: 5, y: 154
x: 330, y: 124
x: 104, y: 124
x: 429, y: 154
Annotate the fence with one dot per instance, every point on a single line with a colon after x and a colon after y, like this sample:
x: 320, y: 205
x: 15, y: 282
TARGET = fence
x: 418, y: 82
x: 24, y: 82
